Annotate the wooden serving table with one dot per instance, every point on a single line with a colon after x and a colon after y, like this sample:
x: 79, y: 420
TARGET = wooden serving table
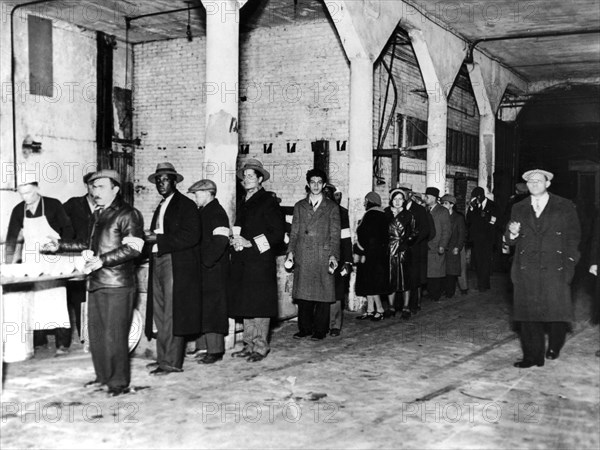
x: 23, y: 281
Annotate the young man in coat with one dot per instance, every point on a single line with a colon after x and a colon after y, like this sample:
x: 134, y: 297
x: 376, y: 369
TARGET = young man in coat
x: 456, y: 245
x: 214, y: 270
x: 482, y: 216
x: 174, y: 296
x: 259, y: 229
x: 436, y: 256
x: 419, y: 247
x: 314, y: 250
x: 545, y: 231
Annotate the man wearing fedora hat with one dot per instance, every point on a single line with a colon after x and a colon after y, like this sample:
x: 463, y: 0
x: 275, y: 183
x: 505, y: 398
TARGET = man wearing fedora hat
x: 455, y: 255
x: 115, y: 240
x: 545, y: 231
x: 259, y: 228
x: 437, y: 245
x: 174, y: 284
x: 482, y: 218
x: 214, y: 270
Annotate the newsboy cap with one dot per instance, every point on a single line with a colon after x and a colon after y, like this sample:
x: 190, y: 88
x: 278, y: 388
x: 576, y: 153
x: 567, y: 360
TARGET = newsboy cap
x: 106, y: 173
x: 203, y: 185
x: 529, y: 173
x: 448, y: 198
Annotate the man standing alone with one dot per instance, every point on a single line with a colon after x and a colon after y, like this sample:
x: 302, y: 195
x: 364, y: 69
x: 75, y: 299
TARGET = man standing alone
x: 314, y: 248
x: 545, y: 230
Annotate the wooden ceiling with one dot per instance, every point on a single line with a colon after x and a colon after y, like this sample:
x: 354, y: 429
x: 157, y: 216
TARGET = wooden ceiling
x: 535, y: 58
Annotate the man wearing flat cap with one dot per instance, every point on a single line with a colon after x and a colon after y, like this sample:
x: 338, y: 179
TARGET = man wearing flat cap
x: 314, y: 250
x: 115, y: 240
x: 455, y: 259
x: 174, y: 284
x: 259, y: 228
x: 437, y: 245
x: 482, y: 218
x: 545, y: 231
x: 214, y: 270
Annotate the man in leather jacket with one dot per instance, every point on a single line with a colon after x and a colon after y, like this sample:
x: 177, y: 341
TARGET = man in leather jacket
x: 116, y: 239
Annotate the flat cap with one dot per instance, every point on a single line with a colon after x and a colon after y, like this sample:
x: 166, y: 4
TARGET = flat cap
x: 529, y: 173
x: 203, y: 185
x: 448, y: 198
x: 106, y: 173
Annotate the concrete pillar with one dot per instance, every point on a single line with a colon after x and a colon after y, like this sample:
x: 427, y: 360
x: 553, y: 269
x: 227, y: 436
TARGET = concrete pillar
x: 361, y: 136
x: 437, y: 115
x: 221, y: 96
x: 221, y: 92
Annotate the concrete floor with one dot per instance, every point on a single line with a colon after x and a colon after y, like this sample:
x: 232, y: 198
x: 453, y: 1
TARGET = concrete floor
x: 444, y: 379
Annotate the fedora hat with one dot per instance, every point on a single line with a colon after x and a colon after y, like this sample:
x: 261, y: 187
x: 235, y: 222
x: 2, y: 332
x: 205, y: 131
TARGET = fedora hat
x: 432, y: 191
x: 165, y: 168
x: 256, y: 165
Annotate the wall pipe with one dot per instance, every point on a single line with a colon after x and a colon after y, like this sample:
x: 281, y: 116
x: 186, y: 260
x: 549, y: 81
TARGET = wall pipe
x: 12, y: 82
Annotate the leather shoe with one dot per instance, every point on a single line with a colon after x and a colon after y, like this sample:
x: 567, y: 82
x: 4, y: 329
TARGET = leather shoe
x: 93, y: 384
x: 317, y: 337
x: 165, y: 370
x: 116, y: 391
x: 551, y: 354
x: 527, y: 364
x: 211, y: 358
x: 255, y: 357
x: 244, y: 353
x: 152, y: 365
x: 300, y: 335
x: 335, y: 332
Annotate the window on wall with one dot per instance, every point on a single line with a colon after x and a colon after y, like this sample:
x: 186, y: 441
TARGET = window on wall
x: 40, y: 56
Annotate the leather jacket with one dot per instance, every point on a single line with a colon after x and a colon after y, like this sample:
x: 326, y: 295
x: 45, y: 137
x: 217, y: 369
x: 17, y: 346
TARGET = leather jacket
x: 117, y: 237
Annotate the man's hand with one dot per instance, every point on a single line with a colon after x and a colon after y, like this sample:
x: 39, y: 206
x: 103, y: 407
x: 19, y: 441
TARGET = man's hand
x: 150, y: 236
x: 514, y: 228
x: 455, y: 251
x: 52, y: 246
x: 239, y: 243
x: 441, y: 250
x: 333, y: 263
x: 92, y: 264
x: 594, y: 269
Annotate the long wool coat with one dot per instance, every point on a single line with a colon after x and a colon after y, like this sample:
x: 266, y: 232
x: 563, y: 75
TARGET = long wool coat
x: 436, y: 263
x: 373, y: 275
x: 254, y: 274
x: 457, y: 240
x: 315, y: 236
x: 214, y: 267
x: 544, y: 262
x: 419, y: 248
x: 181, y: 238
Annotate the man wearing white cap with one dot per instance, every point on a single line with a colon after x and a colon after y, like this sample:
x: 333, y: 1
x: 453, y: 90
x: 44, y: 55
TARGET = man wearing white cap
x: 33, y: 223
x: 545, y: 230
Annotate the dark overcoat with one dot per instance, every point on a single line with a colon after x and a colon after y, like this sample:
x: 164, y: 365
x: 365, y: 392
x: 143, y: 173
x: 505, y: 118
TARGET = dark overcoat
x: 401, y: 233
x: 342, y: 282
x: 78, y: 210
x: 457, y: 240
x: 595, y: 259
x: 214, y: 258
x: 315, y: 236
x: 436, y: 263
x: 418, y: 249
x: 181, y: 239
x: 254, y: 274
x: 544, y: 262
x: 373, y: 275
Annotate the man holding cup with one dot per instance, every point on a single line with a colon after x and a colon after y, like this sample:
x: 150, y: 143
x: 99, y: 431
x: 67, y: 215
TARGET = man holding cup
x: 115, y: 240
x: 314, y: 250
x: 545, y: 231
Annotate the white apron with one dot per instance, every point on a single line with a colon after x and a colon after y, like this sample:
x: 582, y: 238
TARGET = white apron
x: 49, y: 298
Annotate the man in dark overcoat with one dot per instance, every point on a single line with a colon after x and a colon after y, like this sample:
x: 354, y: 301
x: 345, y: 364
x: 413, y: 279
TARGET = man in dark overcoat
x: 545, y: 231
x: 314, y: 250
x: 259, y: 228
x: 482, y: 218
x: 214, y: 270
x: 418, y: 249
x: 455, y: 245
x: 174, y: 296
x: 342, y: 273
x: 436, y: 256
